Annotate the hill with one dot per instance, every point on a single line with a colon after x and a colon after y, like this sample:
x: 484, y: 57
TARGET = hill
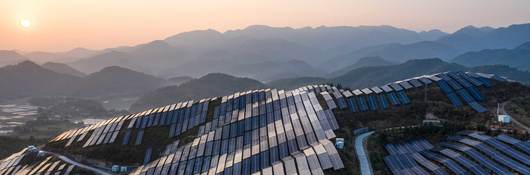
x: 472, y: 38
x: 292, y: 83
x: 370, y: 76
x: 10, y: 57
x: 29, y: 79
x: 363, y: 62
x: 116, y: 80
x: 198, y: 51
x: 179, y: 80
x: 396, y: 53
x: 214, y: 84
x: 63, y: 69
x: 518, y: 57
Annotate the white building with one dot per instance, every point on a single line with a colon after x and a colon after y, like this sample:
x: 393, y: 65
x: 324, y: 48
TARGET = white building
x: 504, y: 118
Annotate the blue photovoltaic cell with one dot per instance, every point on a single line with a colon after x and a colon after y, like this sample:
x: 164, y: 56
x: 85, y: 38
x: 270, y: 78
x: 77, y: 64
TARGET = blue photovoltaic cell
x: 147, y: 157
x: 473, y: 80
x: 467, y: 98
x: 485, y: 81
x: 393, y: 98
x: 139, y: 137
x: 477, y: 107
x: 352, y: 105
x: 475, y: 93
x: 362, y: 103
x: 444, y: 86
x: 372, y: 103
x: 453, y: 84
x: 403, y: 97
x: 383, y: 101
x: 463, y: 82
x: 454, y: 99
x: 127, y: 137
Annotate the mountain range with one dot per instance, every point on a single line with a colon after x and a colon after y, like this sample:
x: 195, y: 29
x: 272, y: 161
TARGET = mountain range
x: 518, y: 57
x: 251, y: 51
x: 27, y: 79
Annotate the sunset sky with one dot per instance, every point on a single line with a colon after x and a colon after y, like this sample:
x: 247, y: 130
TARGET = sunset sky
x: 59, y: 25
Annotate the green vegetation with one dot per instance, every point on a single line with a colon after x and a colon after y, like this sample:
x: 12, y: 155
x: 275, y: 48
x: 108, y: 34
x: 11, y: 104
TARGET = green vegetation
x: 11, y: 145
x: 43, y: 128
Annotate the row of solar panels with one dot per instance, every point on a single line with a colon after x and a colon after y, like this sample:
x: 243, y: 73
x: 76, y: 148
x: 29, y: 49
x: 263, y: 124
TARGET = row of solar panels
x: 455, y: 84
x: 292, y: 128
x: 473, y: 153
x: 49, y: 165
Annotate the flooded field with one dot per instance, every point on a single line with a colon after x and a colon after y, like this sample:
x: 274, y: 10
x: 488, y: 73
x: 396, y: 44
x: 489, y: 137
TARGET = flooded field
x: 13, y: 115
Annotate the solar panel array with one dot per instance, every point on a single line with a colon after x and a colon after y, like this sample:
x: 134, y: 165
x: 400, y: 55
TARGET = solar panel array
x: 472, y: 153
x: 265, y: 131
x: 270, y: 132
x: 455, y: 84
x: 15, y: 164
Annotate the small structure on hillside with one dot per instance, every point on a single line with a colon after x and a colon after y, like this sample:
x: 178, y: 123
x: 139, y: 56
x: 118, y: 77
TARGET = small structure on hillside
x: 339, y: 143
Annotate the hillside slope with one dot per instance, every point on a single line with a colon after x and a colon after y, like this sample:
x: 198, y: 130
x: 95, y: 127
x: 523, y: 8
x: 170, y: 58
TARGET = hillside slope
x: 214, y: 84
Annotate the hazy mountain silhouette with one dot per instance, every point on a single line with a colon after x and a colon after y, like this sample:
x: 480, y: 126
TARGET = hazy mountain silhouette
x: 326, y: 49
x: 199, y: 50
x: 363, y: 62
x: 179, y: 80
x: 60, y: 57
x: 371, y: 76
x: 116, y: 80
x: 471, y: 38
x: 518, y: 57
x: 8, y: 57
x: 214, y: 84
x: 397, y: 53
x: 29, y: 79
x: 63, y: 69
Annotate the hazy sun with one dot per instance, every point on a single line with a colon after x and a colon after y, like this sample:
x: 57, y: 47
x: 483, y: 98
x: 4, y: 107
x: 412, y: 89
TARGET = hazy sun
x: 26, y: 23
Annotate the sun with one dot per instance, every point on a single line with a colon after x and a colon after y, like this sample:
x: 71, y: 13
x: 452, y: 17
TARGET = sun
x: 26, y: 23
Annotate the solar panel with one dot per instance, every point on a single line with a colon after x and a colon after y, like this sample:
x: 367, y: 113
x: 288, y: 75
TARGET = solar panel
x: 393, y: 98
x: 477, y: 107
x: 351, y: 104
x: 475, y: 93
x: 396, y: 86
x: 425, y: 81
x: 372, y: 104
x: 382, y: 101
x: 403, y: 97
x: 405, y: 84
x: 415, y: 83
x: 366, y: 91
x: 376, y: 90
x: 387, y: 88
x: 313, y: 162
x: 454, y: 99
x: 362, y: 103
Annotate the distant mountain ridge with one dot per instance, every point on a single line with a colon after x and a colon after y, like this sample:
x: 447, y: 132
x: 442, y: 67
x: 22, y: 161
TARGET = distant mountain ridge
x: 8, y: 57
x: 63, y: 69
x: 518, y: 57
x: 27, y: 79
x: 370, y: 76
x: 214, y: 84
x: 178, y: 54
x: 362, y: 62
x: 324, y: 49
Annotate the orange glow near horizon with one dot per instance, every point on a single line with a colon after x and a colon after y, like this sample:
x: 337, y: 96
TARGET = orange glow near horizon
x: 65, y: 24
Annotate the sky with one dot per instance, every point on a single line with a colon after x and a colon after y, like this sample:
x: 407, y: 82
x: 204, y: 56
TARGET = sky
x: 60, y: 25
